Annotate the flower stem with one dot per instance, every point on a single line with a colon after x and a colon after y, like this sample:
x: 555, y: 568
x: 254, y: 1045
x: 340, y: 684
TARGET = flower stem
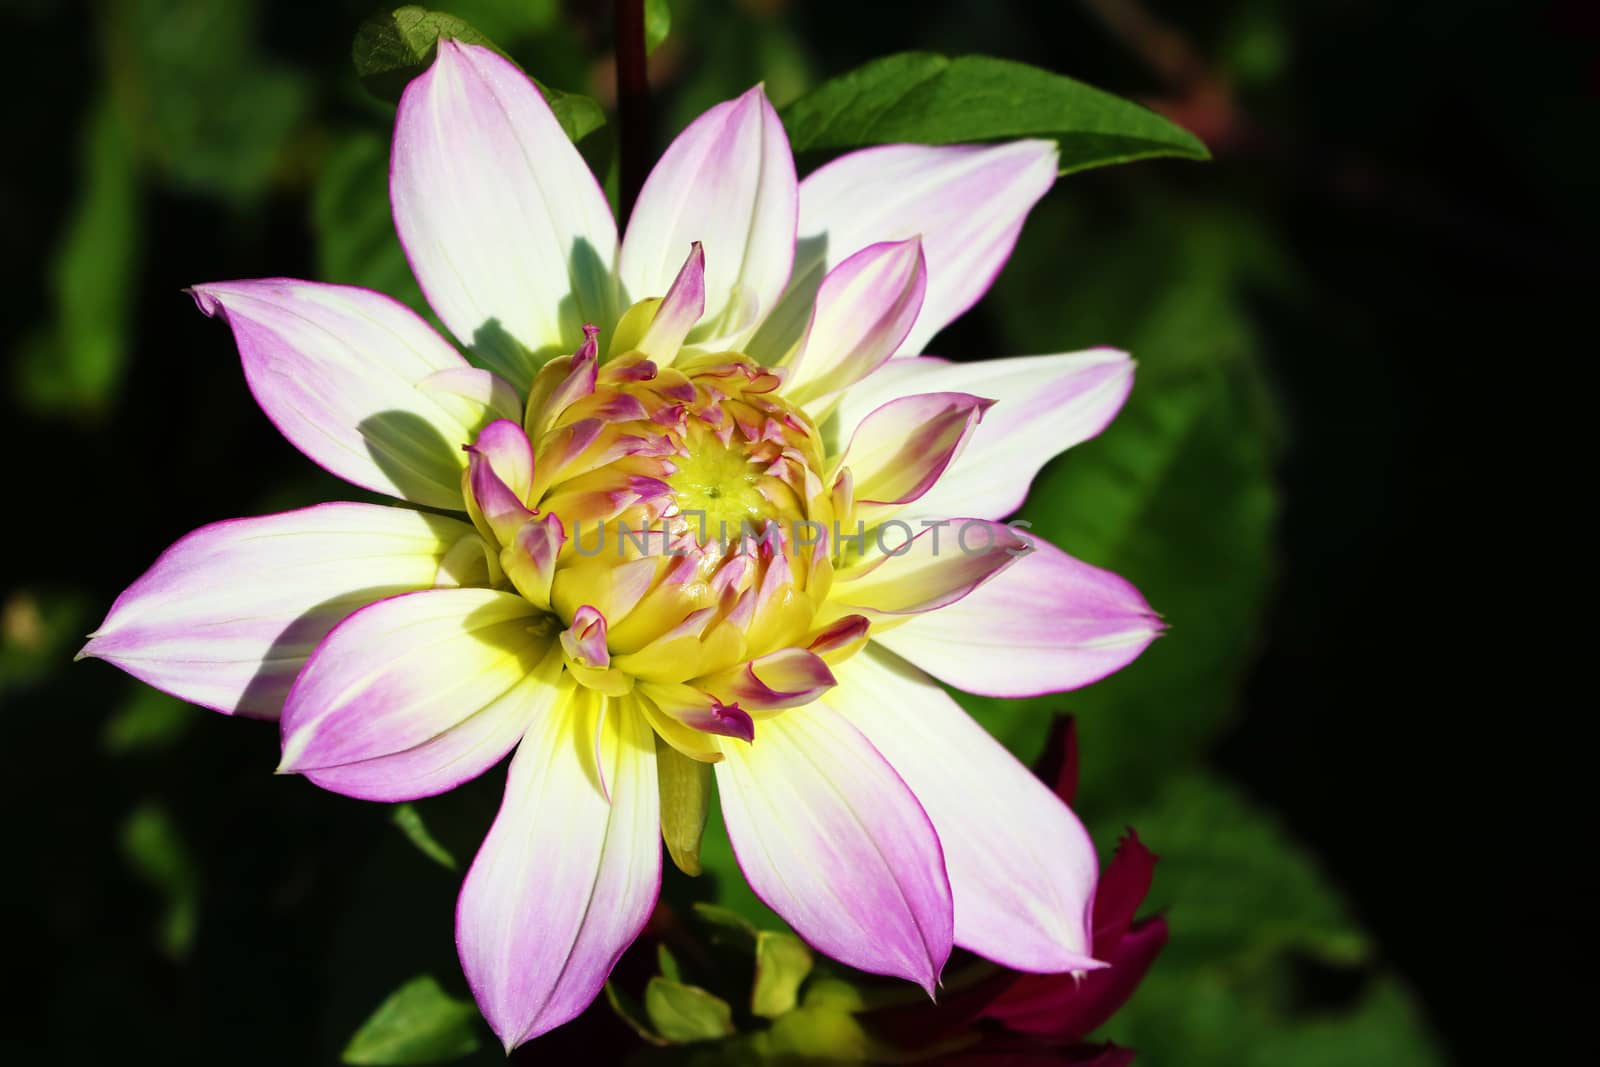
x: 633, y: 103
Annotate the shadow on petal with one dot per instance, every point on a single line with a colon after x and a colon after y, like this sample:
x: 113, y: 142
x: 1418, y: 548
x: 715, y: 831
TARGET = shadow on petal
x: 497, y: 349
x: 264, y: 695
x: 413, y: 454
x: 786, y: 322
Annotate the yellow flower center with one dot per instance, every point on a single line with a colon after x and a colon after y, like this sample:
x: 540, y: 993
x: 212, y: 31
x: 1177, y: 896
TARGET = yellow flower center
x: 720, y: 481
x: 674, y: 519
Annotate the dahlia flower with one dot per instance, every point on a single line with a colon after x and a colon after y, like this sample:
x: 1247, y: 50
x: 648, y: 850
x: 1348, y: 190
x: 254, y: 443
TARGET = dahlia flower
x: 566, y: 584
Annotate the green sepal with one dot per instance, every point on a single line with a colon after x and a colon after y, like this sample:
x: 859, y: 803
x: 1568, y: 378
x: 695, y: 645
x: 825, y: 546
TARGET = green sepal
x: 408, y: 819
x: 685, y: 786
x: 783, y: 962
x: 683, y: 1013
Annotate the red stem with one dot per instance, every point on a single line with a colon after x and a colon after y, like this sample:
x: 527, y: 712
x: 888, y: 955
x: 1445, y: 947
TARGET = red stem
x: 633, y: 103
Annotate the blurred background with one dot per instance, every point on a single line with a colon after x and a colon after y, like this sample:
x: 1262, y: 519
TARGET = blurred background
x: 1337, y: 322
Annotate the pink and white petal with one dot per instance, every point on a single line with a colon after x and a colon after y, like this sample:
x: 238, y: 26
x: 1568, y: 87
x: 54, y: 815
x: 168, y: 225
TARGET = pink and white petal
x: 495, y: 509
x: 894, y: 380
x: 728, y: 181
x: 1046, y: 624
x: 833, y: 840
x: 499, y: 481
x: 584, y: 641
x: 338, y: 370
x: 678, y: 311
x: 399, y: 673
x: 967, y: 202
x: 697, y: 709
x: 226, y: 617
x: 461, y: 752
x: 478, y: 390
x: 841, y: 638
x: 530, y: 560
x: 900, y: 450
x: 1022, y: 867
x: 788, y: 678
x: 1044, y: 405
x: 565, y: 881
x: 864, y: 309
x: 907, y: 572
x: 506, y: 229
x: 509, y: 454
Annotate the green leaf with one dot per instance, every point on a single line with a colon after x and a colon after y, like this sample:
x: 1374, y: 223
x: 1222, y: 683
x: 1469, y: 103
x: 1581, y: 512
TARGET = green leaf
x: 685, y: 787
x: 579, y: 115
x: 149, y: 721
x: 155, y: 849
x: 418, y: 1023
x: 74, y: 364
x: 410, y: 822
x: 925, y: 98
x: 783, y: 963
x: 684, y: 1013
x: 394, y: 47
x: 1245, y: 904
x: 657, y: 24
